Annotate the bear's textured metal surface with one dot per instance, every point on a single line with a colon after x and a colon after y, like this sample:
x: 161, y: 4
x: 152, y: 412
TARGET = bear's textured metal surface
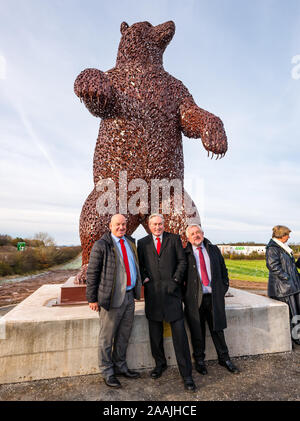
x: 144, y: 111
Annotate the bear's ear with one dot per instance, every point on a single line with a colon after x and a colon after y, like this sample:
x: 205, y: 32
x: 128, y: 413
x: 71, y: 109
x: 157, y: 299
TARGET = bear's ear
x: 124, y: 26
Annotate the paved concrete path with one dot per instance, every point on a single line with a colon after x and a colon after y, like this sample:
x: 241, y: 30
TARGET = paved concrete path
x: 272, y: 377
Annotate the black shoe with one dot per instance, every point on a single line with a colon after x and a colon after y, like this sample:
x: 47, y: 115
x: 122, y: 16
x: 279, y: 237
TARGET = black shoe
x: 189, y: 384
x: 157, y: 372
x: 112, y: 381
x: 130, y: 374
x: 201, y: 367
x: 230, y: 366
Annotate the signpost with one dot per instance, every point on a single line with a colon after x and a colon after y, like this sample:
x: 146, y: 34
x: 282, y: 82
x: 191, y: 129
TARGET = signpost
x: 21, y: 246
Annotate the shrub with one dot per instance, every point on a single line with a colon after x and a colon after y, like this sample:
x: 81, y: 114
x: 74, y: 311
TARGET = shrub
x: 16, y: 240
x: 38, y: 258
x: 5, y: 269
x: 254, y: 255
x: 5, y: 240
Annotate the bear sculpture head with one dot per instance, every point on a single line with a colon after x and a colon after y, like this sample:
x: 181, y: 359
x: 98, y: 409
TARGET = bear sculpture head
x: 144, y: 43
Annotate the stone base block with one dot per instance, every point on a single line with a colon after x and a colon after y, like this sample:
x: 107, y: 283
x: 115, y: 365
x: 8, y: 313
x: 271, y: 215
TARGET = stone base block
x: 40, y: 341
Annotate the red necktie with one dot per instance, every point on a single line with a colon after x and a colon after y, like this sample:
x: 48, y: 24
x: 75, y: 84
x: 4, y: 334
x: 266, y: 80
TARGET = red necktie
x: 126, y: 263
x: 204, y: 276
x: 158, y: 244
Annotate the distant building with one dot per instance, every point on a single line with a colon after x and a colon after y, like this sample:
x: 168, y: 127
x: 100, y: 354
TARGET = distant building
x: 229, y: 249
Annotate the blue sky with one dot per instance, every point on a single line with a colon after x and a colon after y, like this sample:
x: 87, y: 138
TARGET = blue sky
x: 234, y: 56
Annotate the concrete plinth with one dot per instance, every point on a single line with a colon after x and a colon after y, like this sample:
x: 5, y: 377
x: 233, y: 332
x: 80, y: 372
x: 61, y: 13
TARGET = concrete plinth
x: 38, y: 341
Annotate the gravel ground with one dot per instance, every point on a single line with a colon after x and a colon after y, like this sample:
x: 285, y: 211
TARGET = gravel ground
x: 15, y: 292
x: 272, y: 377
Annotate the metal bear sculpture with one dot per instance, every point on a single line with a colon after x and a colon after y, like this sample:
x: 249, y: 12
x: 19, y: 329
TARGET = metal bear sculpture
x: 144, y: 111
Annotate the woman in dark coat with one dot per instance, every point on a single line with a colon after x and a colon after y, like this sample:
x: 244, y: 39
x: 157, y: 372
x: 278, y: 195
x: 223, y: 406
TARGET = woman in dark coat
x: 284, y: 278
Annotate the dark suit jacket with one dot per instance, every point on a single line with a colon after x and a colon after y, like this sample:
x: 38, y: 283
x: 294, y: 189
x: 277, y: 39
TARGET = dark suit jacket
x: 163, y: 293
x: 193, y: 287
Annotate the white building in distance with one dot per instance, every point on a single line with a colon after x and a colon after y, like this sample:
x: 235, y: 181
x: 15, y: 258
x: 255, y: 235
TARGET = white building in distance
x: 230, y: 249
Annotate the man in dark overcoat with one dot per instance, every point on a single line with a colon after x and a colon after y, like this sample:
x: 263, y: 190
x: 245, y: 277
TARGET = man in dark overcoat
x: 162, y: 266
x: 205, y: 286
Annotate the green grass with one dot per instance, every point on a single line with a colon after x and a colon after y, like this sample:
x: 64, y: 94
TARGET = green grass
x: 72, y: 264
x: 247, y: 270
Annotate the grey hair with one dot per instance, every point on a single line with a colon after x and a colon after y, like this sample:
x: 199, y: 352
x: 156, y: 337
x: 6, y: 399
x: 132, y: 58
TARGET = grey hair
x: 190, y: 226
x: 154, y: 215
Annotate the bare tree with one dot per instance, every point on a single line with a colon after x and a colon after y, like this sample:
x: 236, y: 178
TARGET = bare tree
x: 45, y: 238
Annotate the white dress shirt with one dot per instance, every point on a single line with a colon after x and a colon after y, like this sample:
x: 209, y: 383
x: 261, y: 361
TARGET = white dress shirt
x: 155, y: 245
x: 155, y: 241
x: 206, y: 289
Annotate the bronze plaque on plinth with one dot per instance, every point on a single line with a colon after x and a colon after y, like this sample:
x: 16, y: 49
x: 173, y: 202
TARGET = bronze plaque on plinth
x: 71, y: 293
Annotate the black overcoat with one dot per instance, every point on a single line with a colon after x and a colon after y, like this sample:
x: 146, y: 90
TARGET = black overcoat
x: 163, y: 293
x: 284, y: 279
x: 193, y: 287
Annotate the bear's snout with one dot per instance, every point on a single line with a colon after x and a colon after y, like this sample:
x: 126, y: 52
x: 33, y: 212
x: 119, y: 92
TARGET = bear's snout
x: 165, y: 32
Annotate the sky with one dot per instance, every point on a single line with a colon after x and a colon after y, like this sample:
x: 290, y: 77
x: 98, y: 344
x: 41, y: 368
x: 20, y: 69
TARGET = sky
x: 240, y: 60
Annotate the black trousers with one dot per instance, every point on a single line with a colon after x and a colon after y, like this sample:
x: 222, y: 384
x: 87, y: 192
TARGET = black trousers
x: 293, y: 301
x: 206, y: 315
x: 180, y: 343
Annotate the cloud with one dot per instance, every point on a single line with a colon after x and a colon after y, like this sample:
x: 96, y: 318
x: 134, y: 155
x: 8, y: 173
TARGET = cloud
x: 38, y: 143
x: 47, y: 137
x: 296, y: 68
x: 58, y: 222
x: 2, y: 67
